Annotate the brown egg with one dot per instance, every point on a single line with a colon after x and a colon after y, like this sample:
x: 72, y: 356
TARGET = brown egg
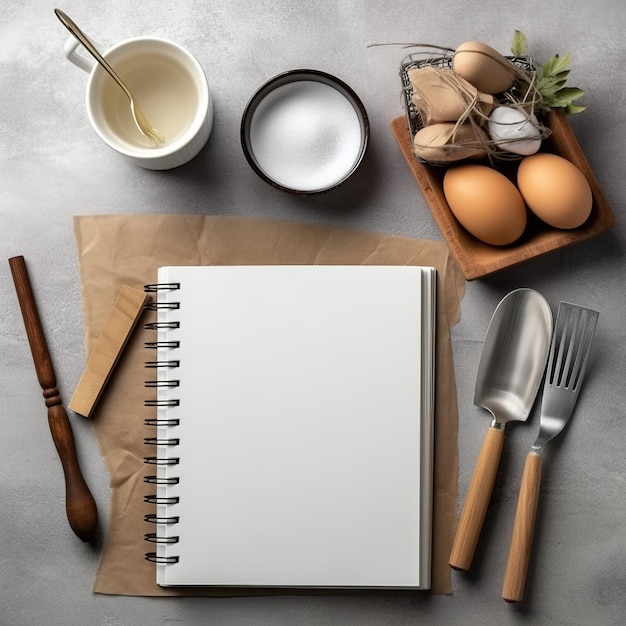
x: 446, y: 142
x: 486, y: 203
x: 555, y: 190
x: 483, y: 67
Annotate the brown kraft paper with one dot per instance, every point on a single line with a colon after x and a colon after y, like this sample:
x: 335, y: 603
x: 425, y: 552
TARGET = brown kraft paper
x: 115, y: 250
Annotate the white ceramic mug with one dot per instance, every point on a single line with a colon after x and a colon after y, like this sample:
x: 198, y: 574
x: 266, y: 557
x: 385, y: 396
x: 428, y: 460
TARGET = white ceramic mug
x: 171, y: 89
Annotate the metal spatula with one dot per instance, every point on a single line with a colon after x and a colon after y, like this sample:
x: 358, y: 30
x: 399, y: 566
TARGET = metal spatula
x: 509, y: 375
x: 571, y: 341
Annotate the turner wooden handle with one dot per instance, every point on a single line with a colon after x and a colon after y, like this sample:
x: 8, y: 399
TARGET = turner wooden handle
x: 477, y: 499
x: 523, y: 530
x: 82, y: 513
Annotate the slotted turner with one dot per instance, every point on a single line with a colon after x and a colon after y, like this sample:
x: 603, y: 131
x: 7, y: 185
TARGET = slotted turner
x: 569, y: 350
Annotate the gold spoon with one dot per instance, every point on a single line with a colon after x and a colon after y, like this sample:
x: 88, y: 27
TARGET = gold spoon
x: 152, y: 134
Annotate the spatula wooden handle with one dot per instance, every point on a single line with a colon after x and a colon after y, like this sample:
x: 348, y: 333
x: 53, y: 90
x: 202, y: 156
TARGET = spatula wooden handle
x: 523, y: 530
x: 80, y: 505
x: 477, y: 499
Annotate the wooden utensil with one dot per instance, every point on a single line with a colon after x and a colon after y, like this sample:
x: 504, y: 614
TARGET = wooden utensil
x: 80, y: 505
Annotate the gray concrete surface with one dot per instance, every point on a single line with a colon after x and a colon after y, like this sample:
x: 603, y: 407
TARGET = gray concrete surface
x: 52, y: 166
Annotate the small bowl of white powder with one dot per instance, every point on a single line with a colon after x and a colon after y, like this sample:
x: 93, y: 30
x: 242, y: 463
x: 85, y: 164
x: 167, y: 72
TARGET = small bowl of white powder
x: 304, y: 131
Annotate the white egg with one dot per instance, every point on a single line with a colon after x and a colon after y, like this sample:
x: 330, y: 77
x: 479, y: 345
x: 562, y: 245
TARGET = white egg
x: 514, y: 130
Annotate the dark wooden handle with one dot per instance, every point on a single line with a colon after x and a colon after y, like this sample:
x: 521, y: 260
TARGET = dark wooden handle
x: 80, y: 505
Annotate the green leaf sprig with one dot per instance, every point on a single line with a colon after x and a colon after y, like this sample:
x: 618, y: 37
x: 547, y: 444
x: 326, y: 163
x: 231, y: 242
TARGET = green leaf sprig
x: 551, y: 79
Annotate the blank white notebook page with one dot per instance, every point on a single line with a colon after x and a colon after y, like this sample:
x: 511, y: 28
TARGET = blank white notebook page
x: 304, y: 442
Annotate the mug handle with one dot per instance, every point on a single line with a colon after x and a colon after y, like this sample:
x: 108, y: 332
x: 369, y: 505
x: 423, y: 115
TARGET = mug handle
x: 70, y: 51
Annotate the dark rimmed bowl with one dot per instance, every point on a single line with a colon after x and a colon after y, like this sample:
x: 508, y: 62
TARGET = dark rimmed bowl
x: 261, y: 96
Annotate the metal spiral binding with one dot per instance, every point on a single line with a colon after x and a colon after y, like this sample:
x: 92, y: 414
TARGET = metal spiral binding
x: 155, y: 345
x: 157, y: 364
x: 160, y: 325
x: 162, y: 383
x: 157, y: 402
x: 156, y: 422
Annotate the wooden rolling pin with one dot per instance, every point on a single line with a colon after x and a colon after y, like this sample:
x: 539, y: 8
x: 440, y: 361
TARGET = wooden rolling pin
x: 80, y: 506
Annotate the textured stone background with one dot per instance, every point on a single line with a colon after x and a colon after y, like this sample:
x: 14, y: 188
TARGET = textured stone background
x: 52, y: 166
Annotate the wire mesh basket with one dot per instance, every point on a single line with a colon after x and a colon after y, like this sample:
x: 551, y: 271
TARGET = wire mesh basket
x: 434, y: 56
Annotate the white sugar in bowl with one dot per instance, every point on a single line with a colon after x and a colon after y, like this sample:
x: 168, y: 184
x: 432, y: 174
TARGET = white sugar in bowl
x: 304, y: 131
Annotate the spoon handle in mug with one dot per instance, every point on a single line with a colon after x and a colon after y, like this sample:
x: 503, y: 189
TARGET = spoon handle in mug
x: 80, y: 505
x: 67, y: 21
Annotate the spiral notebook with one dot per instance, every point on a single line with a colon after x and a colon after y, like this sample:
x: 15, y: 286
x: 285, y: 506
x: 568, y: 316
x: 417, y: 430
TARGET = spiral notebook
x: 294, y: 426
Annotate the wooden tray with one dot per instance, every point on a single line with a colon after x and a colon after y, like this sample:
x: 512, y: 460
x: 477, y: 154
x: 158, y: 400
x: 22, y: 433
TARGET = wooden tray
x: 478, y: 259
